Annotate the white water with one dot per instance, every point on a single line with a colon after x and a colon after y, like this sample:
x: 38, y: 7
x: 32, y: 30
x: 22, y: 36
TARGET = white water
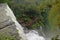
x: 18, y: 26
x: 31, y: 35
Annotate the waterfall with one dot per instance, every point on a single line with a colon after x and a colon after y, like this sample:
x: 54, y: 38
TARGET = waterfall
x: 18, y: 26
x: 31, y: 35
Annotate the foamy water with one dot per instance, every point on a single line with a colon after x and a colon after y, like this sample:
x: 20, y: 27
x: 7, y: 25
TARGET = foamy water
x: 33, y: 35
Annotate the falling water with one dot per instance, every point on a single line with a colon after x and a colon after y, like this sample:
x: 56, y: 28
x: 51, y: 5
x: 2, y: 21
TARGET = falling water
x: 31, y: 35
x: 18, y: 26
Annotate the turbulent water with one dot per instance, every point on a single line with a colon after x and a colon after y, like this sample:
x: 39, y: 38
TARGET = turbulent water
x: 31, y: 35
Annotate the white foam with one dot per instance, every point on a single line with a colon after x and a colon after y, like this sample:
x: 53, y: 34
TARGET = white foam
x: 33, y: 35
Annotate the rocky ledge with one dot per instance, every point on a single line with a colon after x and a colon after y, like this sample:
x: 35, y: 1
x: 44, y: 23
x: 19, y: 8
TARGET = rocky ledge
x: 7, y: 25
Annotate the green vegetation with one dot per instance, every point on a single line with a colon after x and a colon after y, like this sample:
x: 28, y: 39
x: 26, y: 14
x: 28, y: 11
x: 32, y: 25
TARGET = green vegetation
x: 6, y: 37
x: 4, y: 1
x: 31, y: 11
x: 55, y: 38
x: 54, y: 14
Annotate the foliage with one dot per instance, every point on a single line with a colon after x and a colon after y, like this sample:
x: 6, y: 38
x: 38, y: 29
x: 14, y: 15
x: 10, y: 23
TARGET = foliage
x: 36, y: 25
x: 6, y: 37
x: 53, y: 16
x: 4, y: 1
x: 55, y: 38
x: 46, y: 11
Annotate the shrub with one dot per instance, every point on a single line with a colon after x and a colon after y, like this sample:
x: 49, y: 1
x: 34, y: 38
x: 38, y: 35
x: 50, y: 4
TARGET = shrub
x: 3, y: 1
x: 6, y: 37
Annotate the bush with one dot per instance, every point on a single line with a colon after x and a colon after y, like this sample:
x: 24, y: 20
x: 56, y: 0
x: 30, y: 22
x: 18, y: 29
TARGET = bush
x: 3, y: 1
x: 6, y: 37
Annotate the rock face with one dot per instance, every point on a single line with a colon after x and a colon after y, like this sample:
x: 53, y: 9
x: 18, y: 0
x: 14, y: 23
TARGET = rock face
x: 7, y: 24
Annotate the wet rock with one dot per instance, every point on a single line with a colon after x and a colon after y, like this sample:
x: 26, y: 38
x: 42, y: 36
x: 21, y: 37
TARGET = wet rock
x: 7, y: 25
